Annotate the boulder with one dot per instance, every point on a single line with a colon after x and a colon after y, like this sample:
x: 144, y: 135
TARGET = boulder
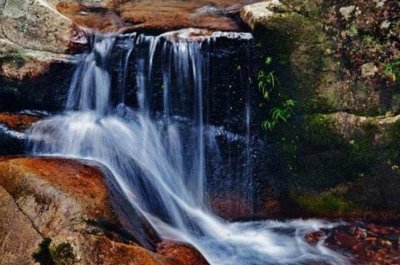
x: 36, y: 25
x: 63, y: 212
x: 258, y: 13
x: 33, y: 37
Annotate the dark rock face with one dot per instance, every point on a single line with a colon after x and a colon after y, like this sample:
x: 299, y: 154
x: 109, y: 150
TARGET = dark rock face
x: 47, y: 91
x: 12, y: 127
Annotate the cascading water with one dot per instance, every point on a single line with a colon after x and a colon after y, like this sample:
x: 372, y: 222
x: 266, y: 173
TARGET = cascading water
x: 160, y: 160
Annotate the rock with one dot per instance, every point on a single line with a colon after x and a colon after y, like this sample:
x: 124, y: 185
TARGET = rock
x: 314, y: 237
x: 368, y: 69
x: 33, y: 37
x: 18, y: 63
x: 154, y: 15
x: 41, y: 86
x: 183, y: 253
x: 365, y: 250
x: 347, y: 11
x: 12, y: 128
x: 36, y: 25
x: 171, y: 15
x: 69, y: 208
x: 19, y: 121
x: 18, y: 237
x: 96, y: 18
x: 258, y: 13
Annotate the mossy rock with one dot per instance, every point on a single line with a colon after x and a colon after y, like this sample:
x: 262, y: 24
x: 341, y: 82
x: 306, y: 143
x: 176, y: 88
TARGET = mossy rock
x: 330, y: 203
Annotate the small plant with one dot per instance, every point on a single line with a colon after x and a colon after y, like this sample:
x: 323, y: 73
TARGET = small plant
x: 266, y: 80
x: 280, y: 114
x: 393, y: 70
x: 282, y: 108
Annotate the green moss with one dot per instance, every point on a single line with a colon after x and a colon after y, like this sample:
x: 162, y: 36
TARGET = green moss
x: 326, y: 203
x: 297, y: 44
x: 320, y: 133
x: 391, y: 144
x: 14, y: 58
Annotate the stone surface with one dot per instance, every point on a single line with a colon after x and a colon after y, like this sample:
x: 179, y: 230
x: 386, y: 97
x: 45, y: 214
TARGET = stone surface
x: 62, y: 212
x: 18, y: 237
x: 33, y: 37
x: 182, y: 253
x: 12, y: 131
x: 19, y: 121
x: 338, y: 61
x: 155, y: 15
x: 258, y: 13
x: 36, y: 25
x: 368, y: 243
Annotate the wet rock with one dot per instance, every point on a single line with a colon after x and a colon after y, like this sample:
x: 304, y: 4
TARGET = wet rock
x: 172, y: 15
x: 371, y: 248
x: 232, y: 207
x: 96, y: 18
x: 154, y: 15
x: 314, y: 237
x: 184, y: 254
x: 19, y: 121
x: 69, y: 206
x: 12, y: 128
x: 36, y: 90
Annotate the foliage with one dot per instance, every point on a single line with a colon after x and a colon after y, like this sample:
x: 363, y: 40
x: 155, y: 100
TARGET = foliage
x: 282, y: 107
x: 393, y: 70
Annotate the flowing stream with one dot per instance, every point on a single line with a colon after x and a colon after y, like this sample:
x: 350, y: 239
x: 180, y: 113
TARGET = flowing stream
x: 160, y: 159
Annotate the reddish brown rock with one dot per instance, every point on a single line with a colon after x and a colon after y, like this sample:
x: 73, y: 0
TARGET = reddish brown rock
x: 184, y: 254
x: 96, y: 18
x: 314, y: 237
x: 171, y: 15
x: 18, y: 122
x: 157, y: 15
x: 231, y: 208
x: 66, y: 206
x: 18, y: 235
x: 366, y: 244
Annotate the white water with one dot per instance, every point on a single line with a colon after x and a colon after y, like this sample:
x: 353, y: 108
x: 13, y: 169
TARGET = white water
x: 160, y: 163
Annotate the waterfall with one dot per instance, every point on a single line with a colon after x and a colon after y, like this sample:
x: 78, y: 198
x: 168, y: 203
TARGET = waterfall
x: 160, y: 158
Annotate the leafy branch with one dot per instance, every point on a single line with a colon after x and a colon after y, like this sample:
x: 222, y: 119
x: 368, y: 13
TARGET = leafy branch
x: 268, y: 86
